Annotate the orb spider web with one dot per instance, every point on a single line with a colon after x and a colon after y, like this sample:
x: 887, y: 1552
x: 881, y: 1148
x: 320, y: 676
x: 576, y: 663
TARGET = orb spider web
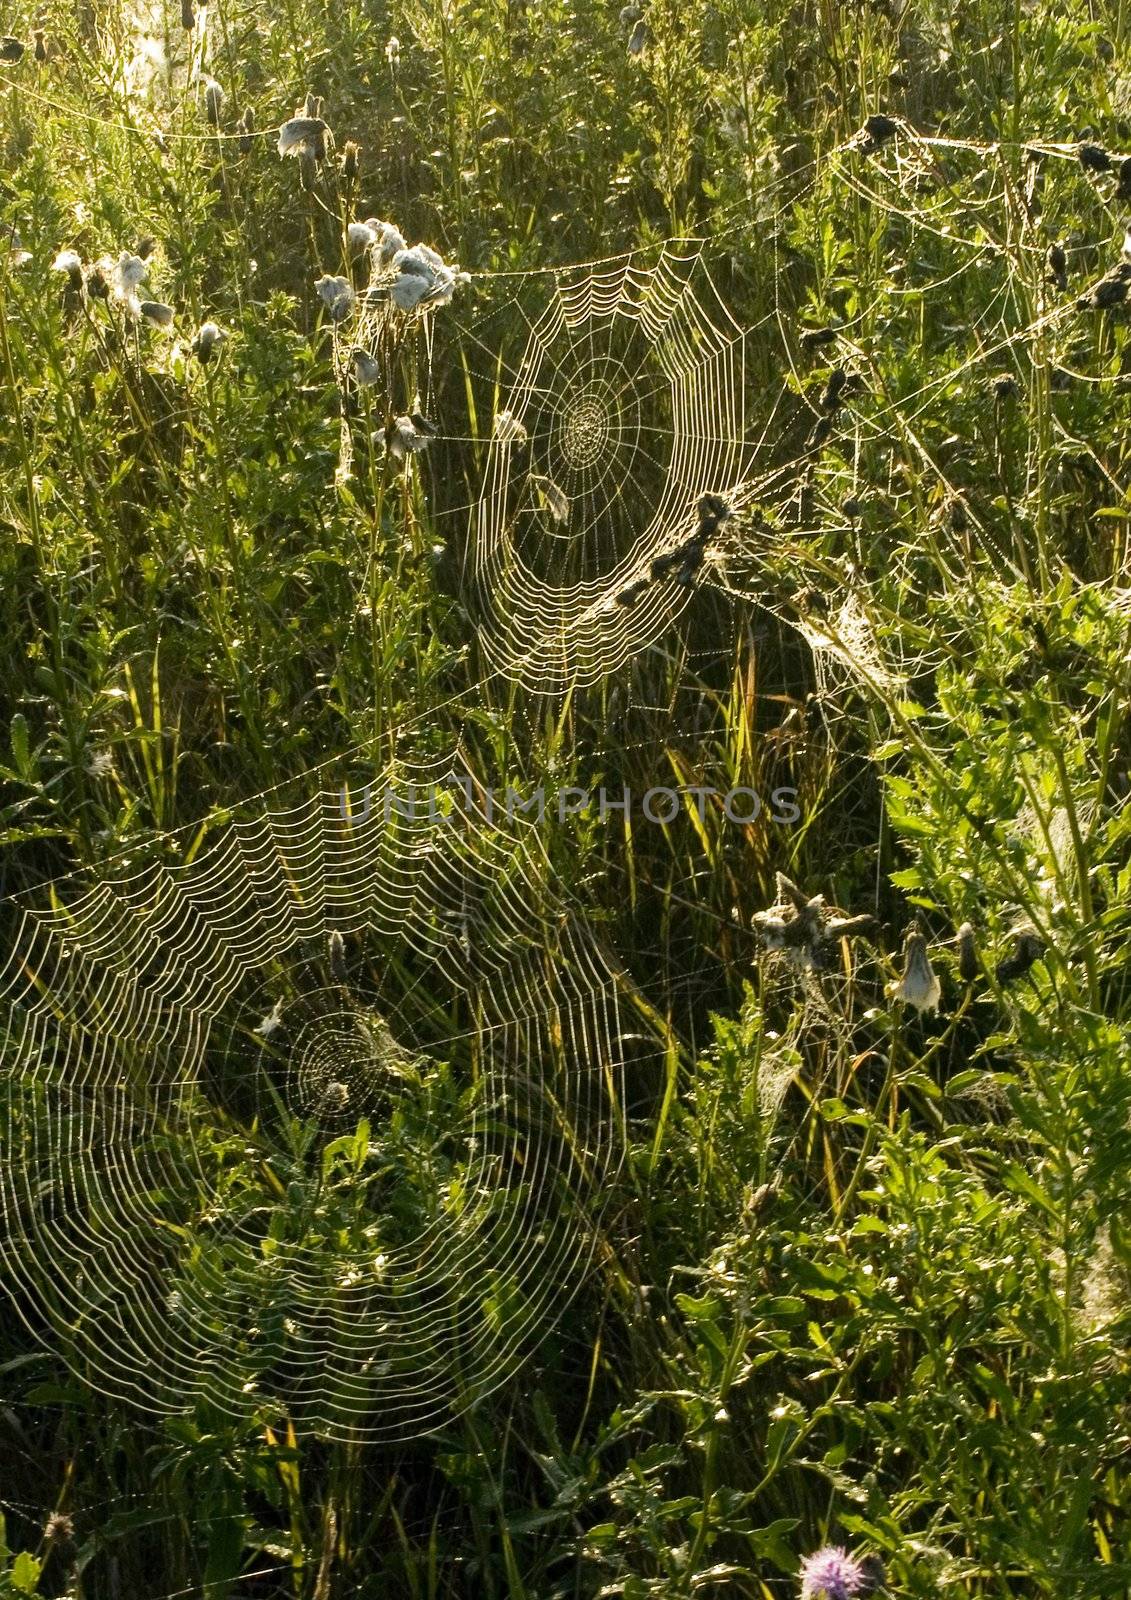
x: 627, y: 405
x: 317, y: 1122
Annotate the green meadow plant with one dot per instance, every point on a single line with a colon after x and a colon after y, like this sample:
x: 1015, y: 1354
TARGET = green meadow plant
x: 863, y: 1281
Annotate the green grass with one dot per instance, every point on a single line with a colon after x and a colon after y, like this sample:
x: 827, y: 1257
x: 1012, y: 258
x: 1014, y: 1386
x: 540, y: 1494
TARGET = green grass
x: 864, y: 1277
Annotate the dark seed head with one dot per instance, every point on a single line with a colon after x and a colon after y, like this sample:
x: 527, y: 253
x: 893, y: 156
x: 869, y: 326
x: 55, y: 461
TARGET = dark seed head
x: 11, y: 49
x: 1093, y: 158
x: 188, y: 16
x: 665, y: 563
x: 629, y: 597
x: 40, y: 45
x: 811, y: 600
x: 814, y: 338
x: 834, y: 389
x: 1026, y: 949
x: 350, y: 160
x: 1110, y: 291
x: 821, y: 431
x: 1058, y: 265
x: 712, y: 508
x: 59, y: 1529
x: 878, y: 129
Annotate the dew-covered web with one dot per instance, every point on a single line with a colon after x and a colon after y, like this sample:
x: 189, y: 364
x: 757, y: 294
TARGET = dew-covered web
x: 319, y: 1121
x: 618, y: 400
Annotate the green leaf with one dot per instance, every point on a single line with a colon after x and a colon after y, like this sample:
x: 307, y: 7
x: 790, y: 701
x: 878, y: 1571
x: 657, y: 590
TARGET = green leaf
x: 25, y: 1573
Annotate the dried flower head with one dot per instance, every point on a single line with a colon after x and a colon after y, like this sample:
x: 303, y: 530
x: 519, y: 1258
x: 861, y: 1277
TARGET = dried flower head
x: 423, y: 279
x: 350, y: 160
x: 208, y: 337
x: 360, y: 237
x: 214, y: 98
x: 188, y: 16
x: 366, y: 370
x: 509, y: 429
x: 1026, y: 948
x: 967, y: 953
x: 126, y: 275
x: 156, y: 313
x: 244, y: 128
x: 59, y: 1528
x: 40, y: 37
x: 393, y: 51
x: 70, y: 262
x: 11, y: 49
x: 100, y: 764
x: 337, y: 295
x: 919, y: 986
x: 409, y: 435
x: 389, y: 239
x: 304, y: 136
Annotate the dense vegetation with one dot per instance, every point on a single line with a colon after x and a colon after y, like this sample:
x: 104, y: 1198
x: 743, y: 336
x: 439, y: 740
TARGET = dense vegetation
x: 864, y: 1278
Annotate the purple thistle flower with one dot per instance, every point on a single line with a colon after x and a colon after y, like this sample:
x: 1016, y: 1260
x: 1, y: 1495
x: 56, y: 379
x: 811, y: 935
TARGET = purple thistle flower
x: 832, y: 1574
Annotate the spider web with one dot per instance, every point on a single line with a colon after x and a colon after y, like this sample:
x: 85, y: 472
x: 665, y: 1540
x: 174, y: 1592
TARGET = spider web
x: 627, y: 402
x: 317, y: 1121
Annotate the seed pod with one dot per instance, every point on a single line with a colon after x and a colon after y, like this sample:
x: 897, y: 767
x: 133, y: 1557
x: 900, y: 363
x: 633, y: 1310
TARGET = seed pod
x: 40, y: 45
x: 1111, y: 290
x: 628, y: 597
x: 1058, y: 265
x: 834, y: 389
x: 350, y: 160
x: 814, y: 338
x: 967, y: 953
x: 213, y: 101
x: 208, y: 337
x: 11, y: 50
x: 188, y: 16
x: 822, y: 428
x: 68, y: 261
x: 1093, y: 158
x: 877, y: 130
x: 1027, y: 948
